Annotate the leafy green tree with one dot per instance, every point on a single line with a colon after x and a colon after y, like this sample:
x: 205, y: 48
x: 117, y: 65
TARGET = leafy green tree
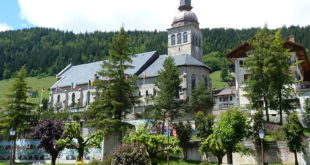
x: 201, y: 98
x: 294, y: 133
x: 155, y: 144
x: 168, y: 84
x: 115, y: 95
x: 269, y: 80
x: 203, y: 124
x: 73, y: 138
x: 17, y: 113
x: 212, y: 145
x: 184, y: 134
x: 231, y: 129
x: 214, y: 60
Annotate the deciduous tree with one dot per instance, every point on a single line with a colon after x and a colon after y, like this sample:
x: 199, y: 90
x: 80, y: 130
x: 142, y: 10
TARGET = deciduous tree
x: 155, y: 144
x: 184, y: 134
x: 203, y: 124
x: 48, y: 131
x: 73, y: 138
x: 231, y: 129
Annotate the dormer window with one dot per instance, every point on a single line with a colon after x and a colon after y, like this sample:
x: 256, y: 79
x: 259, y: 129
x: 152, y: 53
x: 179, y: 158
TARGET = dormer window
x: 173, y: 40
x: 179, y: 38
x: 185, y: 37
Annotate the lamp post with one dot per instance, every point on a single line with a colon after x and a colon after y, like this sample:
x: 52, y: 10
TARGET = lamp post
x: 12, y: 154
x: 261, y: 134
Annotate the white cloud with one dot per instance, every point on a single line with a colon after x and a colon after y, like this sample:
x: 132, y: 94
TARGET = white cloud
x: 5, y: 27
x: 107, y: 15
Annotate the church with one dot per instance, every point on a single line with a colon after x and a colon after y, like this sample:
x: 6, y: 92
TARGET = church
x: 74, y: 89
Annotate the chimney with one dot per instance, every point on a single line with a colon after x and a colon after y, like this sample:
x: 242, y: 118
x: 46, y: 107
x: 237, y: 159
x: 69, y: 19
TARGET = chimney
x: 291, y: 38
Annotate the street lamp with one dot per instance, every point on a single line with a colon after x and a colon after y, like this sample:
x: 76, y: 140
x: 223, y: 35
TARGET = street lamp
x: 261, y: 134
x: 12, y: 133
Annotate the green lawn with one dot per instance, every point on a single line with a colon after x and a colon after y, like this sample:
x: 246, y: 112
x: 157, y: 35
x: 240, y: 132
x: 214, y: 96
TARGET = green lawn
x: 217, y: 82
x: 36, y: 84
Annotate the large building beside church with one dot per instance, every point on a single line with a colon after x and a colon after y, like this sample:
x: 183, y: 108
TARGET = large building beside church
x: 74, y: 91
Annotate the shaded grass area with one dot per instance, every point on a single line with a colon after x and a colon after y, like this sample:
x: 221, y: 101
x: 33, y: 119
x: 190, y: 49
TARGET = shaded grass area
x: 35, y: 84
x: 217, y: 81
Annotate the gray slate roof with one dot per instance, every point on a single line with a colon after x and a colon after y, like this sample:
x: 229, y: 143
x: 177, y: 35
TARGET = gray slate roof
x: 180, y: 60
x: 226, y: 91
x: 81, y: 74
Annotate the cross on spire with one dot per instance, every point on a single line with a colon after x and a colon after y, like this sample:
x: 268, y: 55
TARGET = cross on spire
x: 185, y: 5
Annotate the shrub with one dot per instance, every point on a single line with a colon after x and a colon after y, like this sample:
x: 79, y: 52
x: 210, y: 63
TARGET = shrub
x: 130, y: 154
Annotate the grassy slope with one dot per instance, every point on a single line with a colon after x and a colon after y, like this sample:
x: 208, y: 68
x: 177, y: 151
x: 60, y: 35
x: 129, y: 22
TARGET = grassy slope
x: 217, y: 82
x: 36, y: 84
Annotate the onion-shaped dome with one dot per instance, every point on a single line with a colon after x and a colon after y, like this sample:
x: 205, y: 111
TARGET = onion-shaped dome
x: 185, y: 17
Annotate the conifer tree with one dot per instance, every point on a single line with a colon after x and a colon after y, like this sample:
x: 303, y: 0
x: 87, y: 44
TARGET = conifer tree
x: 115, y: 93
x: 201, y: 99
x: 268, y: 66
x: 294, y: 133
x: 169, y: 85
x: 17, y: 114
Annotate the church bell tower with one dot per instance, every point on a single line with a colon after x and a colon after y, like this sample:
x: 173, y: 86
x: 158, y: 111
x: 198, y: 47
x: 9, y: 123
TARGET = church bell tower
x: 185, y: 37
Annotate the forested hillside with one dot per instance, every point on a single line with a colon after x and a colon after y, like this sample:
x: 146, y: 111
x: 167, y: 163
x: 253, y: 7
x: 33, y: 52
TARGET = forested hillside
x: 47, y: 51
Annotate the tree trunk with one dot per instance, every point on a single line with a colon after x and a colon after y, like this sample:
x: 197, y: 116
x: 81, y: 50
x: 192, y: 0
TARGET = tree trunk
x: 53, y: 160
x: 280, y: 108
x: 163, y: 126
x: 229, y: 157
x: 219, y: 160
x: 296, y: 161
x: 266, y: 110
x: 80, y: 155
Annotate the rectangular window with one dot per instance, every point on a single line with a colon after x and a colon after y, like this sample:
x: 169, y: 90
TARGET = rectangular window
x: 246, y: 76
x: 230, y: 98
x: 241, y: 63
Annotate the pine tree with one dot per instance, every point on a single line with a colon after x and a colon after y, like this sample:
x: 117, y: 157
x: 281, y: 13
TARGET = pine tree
x: 115, y: 94
x: 201, y: 99
x: 294, y: 133
x: 169, y: 85
x: 268, y: 66
x: 17, y: 114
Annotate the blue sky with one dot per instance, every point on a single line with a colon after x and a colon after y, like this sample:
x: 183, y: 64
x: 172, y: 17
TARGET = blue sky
x: 110, y: 15
x: 9, y: 14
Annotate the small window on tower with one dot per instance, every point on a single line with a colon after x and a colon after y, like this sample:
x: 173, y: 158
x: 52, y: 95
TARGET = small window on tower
x: 185, y: 37
x: 179, y: 39
x: 173, y: 40
x: 58, y: 98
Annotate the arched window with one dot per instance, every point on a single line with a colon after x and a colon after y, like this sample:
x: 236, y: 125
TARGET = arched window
x: 179, y: 38
x: 73, y: 98
x: 147, y: 93
x: 88, y: 98
x: 199, y: 41
x: 58, y: 98
x: 196, y: 41
x: 173, y: 40
x: 185, y: 37
x: 154, y: 92
x: 193, y: 82
x: 139, y: 93
x: 205, y: 79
